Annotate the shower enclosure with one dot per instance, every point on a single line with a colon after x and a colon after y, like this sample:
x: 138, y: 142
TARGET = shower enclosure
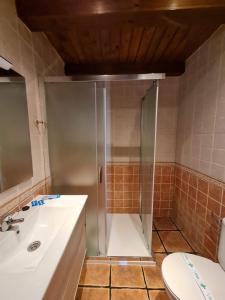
x: 147, y: 159
x: 76, y: 116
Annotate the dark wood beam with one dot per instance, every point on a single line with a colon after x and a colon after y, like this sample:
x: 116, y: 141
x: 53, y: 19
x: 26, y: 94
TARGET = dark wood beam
x: 98, y: 7
x: 55, y: 15
x: 171, y: 69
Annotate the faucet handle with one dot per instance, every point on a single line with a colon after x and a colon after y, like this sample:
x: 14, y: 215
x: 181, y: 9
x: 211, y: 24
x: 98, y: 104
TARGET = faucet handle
x: 6, y: 221
x: 4, y: 226
x: 7, y: 218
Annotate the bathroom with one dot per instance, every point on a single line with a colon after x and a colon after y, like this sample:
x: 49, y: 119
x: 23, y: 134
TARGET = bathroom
x: 112, y: 165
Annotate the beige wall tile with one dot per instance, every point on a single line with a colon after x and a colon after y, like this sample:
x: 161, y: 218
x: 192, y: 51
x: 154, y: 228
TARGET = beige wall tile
x: 201, y: 116
x: 125, y: 113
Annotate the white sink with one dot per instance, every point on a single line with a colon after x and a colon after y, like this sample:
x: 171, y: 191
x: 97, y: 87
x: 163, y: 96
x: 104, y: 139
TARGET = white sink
x: 22, y: 272
x: 41, y: 224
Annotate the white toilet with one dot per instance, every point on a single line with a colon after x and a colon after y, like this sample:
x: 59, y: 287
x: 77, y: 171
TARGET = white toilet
x: 192, y: 277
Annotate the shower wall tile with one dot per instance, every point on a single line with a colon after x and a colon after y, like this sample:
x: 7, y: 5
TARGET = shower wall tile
x: 123, y: 188
x: 124, y: 118
x: 33, y: 57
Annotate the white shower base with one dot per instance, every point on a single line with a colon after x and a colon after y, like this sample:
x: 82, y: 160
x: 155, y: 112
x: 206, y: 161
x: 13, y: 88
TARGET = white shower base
x: 125, y: 236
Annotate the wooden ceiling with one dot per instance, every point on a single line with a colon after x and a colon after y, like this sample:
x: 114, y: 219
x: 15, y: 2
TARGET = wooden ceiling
x: 124, y: 36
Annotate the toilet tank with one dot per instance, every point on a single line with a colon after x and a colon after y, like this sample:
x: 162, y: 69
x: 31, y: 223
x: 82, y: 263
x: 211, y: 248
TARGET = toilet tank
x: 221, y: 252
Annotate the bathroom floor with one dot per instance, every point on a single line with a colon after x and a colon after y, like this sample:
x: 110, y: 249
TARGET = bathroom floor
x: 123, y: 282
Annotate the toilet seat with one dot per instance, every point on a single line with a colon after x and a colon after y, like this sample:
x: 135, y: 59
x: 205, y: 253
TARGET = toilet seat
x: 180, y: 281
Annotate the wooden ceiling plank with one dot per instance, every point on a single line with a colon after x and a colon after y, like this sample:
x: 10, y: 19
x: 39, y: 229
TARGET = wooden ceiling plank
x: 126, y: 35
x: 115, y: 45
x: 76, y: 44
x: 195, y: 38
x: 178, y: 40
x: 145, y: 43
x: 155, y: 42
x: 164, y: 43
x: 41, y: 15
x: 58, y: 41
x: 98, y: 7
x: 105, y: 44
x: 172, y: 69
x: 95, y: 45
x: 135, y: 43
x: 181, y: 19
x: 85, y: 37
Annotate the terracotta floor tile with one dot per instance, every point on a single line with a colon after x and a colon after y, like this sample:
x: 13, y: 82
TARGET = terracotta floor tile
x: 164, y: 224
x: 158, y: 295
x: 92, y: 294
x: 123, y: 258
x: 153, y: 277
x: 88, y: 258
x: 131, y: 294
x: 159, y: 257
x: 127, y: 276
x: 95, y: 275
x: 157, y: 246
x: 174, y: 241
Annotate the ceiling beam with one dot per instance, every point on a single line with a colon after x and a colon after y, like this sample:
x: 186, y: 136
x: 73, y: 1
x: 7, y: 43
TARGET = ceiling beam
x: 54, y: 15
x: 171, y: 69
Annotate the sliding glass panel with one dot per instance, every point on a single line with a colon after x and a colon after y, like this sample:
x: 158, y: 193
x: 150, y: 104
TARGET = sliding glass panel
x: 148, y: 128
x: 101, y: 132
x: 72, y: 131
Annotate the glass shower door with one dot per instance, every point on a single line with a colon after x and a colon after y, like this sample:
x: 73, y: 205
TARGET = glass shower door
x: 74, y: 115
x: 148, y: 137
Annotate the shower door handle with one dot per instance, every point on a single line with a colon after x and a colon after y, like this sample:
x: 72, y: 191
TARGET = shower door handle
x: 100, y: 175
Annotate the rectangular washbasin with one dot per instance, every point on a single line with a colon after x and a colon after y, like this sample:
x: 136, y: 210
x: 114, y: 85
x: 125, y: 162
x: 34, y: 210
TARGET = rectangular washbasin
x: 47, y: 229
x: 24, y: 251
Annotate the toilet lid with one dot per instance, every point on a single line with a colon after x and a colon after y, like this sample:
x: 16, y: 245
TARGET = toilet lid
x: 181, y: 283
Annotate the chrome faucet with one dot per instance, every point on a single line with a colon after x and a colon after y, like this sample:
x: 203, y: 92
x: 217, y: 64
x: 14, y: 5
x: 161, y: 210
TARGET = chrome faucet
x: 8, y: 222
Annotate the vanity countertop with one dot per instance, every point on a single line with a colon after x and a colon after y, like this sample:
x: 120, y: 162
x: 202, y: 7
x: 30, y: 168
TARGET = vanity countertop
x: 26, y: 275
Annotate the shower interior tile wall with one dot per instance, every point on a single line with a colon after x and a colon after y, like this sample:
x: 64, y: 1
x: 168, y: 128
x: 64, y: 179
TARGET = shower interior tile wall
x: 124, y: 130
x: 123, y: 188
x: 32, y: 56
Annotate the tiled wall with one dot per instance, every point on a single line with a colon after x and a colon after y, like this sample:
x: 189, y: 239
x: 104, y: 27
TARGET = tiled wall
x: 32, y: 56
x: 199, y: 199
x: 125, y: 104
x: 123, y: 188
x: 167, y: 119
x: 199, y: 204
x: 163, y: 189
x: 124, y: 127
x: 201, y: 117
x: 124, y: 131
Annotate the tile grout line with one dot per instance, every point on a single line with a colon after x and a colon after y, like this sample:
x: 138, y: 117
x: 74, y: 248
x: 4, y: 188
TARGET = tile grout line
x: 168, y: 252
x: 143, y: 273
x: 184, y: 237
x: 110, y: 282
x: 162, y: 243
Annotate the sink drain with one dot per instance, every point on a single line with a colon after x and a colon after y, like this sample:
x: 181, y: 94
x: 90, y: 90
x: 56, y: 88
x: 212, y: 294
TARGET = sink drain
x: 34, y: 246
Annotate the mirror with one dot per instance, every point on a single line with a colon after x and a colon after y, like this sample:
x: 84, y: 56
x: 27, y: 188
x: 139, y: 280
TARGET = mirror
x: 15, y: 146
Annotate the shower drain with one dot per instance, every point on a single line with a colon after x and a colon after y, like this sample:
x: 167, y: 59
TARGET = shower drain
x: 33, y: 246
